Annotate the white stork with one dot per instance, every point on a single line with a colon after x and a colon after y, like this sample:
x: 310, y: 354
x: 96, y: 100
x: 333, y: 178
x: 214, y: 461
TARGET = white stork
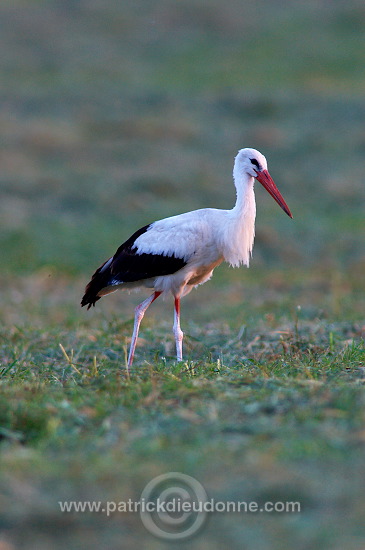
x: 180, y: 252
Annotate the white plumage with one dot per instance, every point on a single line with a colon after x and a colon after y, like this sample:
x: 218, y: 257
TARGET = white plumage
x: 178, y: 253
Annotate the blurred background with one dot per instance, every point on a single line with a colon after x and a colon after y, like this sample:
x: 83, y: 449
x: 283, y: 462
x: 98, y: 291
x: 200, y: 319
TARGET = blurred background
x: 115, y: 114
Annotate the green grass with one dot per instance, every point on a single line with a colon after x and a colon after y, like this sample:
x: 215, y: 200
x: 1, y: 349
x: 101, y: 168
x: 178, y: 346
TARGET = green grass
x: 269, y: 410
x: 113, y: 116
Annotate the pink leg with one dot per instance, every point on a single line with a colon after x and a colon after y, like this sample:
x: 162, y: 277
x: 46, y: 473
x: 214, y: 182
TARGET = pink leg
x: 139, y: 313
x: 177, y: 330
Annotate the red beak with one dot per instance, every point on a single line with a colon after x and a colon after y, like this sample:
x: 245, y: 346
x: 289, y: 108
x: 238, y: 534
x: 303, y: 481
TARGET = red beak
x: 266, y: 180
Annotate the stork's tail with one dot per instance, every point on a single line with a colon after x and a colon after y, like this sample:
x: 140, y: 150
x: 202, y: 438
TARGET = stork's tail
x: 90, y: 297
x: 99, y: 281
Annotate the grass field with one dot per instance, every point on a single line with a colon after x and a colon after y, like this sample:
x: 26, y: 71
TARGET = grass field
x: 112, y: 116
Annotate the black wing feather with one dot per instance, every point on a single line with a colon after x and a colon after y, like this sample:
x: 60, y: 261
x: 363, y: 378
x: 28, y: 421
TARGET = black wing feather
x: 127, y: 266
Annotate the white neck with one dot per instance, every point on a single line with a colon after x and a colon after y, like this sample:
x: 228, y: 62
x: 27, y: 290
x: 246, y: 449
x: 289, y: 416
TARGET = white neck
x: 245, y: 197
x: 240, y: 231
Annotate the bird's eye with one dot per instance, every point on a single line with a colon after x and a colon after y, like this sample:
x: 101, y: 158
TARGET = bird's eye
x: 255, y: 163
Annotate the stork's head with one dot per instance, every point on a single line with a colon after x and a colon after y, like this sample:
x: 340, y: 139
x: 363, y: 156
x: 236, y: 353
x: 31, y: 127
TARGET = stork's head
x: 253, y: 163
